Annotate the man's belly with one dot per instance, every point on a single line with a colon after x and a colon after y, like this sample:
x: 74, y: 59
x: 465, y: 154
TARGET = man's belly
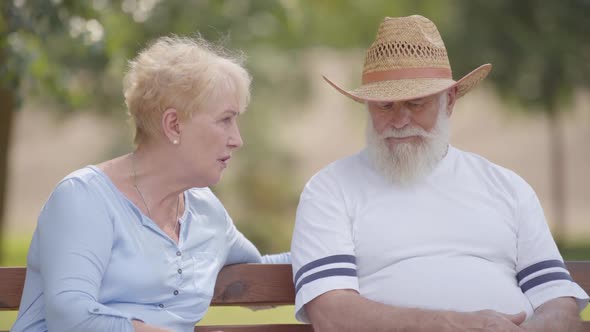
x: 445, y: 283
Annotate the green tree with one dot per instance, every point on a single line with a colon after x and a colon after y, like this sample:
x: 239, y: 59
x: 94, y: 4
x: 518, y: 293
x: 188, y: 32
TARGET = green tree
x: 33, y: 39
x: 540, y: 58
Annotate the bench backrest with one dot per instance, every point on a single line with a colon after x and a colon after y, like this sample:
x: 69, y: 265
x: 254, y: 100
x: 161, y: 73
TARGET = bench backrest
x: 244, y: 285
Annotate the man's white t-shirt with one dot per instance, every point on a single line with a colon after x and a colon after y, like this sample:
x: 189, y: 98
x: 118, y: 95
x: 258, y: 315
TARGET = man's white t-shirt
x: 470, y: 236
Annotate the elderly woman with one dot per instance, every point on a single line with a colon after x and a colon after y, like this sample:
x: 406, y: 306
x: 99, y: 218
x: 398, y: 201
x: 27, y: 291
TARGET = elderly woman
x: 136, y: 243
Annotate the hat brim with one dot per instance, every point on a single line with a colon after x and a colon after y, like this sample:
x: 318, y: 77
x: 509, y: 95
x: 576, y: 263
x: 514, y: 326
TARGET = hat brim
x: 408, y: 89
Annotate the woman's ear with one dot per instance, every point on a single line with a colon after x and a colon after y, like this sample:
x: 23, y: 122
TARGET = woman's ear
x: 171, y: 125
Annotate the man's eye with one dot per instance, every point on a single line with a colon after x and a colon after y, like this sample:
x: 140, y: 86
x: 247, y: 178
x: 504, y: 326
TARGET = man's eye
x: 385, y: 106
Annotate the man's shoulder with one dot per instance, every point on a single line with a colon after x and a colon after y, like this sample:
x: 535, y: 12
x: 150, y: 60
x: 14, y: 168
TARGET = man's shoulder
x: 339, y: 175
x: 484, y: 169
x: 479, y: 161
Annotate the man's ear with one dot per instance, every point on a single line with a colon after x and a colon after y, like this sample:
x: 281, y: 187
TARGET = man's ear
x: 171, y: 125
x: 451, y: 99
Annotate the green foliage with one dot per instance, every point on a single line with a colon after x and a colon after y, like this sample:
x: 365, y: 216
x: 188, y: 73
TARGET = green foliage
x: 350, y: 23
x: 540, y: 58
x: 536, y: 47
x: 36, y: 38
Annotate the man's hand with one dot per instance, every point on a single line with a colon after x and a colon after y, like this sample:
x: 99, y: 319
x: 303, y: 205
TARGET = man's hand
x: 347, y: 311
x: 557, y: 315
x: 490, y: 321
x: 569, y: 326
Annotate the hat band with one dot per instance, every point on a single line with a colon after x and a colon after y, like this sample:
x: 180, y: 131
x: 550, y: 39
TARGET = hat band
x: 407, y: 73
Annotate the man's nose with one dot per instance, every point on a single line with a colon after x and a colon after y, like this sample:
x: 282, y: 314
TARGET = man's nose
x: 399, y: 117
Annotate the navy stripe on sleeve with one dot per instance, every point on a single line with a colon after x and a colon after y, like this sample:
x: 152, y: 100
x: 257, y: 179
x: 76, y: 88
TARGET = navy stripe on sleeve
x: 538, y: 267
x: 324, y: 274
x: 534, y: 282
x: 324, y: 261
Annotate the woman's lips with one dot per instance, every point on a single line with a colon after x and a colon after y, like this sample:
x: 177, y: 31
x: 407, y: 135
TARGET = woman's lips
x: 224, y: 161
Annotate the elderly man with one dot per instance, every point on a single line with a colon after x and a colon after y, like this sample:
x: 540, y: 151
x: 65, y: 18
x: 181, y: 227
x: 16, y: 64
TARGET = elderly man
x: 412, y: 234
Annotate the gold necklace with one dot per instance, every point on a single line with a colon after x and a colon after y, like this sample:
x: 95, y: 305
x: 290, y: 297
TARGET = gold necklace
x: 143, y: 199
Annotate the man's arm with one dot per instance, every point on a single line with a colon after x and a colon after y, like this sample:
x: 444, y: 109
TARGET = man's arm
x: 557, y: 315
x: 346, y: 310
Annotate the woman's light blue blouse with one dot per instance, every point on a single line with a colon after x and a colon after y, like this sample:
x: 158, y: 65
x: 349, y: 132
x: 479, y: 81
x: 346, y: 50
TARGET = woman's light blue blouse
x: 96, y: 262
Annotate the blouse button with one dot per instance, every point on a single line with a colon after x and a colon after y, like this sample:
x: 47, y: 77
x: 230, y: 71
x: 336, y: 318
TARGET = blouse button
x: 161, y: 305
x: 175, y: 292
x: 178, y: 253
x: 95, y: 310
x: 179, y: 271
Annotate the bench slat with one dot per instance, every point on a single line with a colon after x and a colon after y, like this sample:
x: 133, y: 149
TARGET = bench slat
x: 580, y: 272
x: 254, y: 284
x: 237, y: 284
x: 12, y: 281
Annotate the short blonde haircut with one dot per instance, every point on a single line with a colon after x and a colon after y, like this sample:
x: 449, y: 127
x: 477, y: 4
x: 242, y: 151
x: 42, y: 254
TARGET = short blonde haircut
x: 184, y: 74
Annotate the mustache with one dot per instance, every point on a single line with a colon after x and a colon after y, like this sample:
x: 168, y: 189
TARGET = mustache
x: 406, y: 132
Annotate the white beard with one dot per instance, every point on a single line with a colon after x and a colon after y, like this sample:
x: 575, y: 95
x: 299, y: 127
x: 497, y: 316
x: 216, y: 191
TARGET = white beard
x: 409, y: 162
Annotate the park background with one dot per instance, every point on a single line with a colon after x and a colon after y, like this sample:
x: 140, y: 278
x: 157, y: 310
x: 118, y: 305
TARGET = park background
x: 61, y: 106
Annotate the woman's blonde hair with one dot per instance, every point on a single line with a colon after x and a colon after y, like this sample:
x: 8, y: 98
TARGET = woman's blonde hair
x: 181, y: 73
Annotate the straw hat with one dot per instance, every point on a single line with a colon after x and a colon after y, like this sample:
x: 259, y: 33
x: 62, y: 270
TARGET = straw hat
x: 408, y: 60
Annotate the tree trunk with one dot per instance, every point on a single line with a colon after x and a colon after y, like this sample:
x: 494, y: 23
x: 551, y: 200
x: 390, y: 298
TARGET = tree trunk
x: 557, y: 177
x: 7, y: 101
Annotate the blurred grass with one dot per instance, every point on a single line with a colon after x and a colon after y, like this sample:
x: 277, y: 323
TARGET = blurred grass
x: 15, y: 248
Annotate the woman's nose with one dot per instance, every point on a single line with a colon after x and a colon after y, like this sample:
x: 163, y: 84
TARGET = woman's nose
x: 235, y: 139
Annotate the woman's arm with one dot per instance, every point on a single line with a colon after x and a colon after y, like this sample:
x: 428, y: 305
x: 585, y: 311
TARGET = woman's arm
x: 241, y: 250
x: 76, y: 239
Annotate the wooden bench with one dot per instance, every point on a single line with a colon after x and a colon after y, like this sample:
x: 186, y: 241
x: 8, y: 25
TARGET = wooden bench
x: 244, y: 285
